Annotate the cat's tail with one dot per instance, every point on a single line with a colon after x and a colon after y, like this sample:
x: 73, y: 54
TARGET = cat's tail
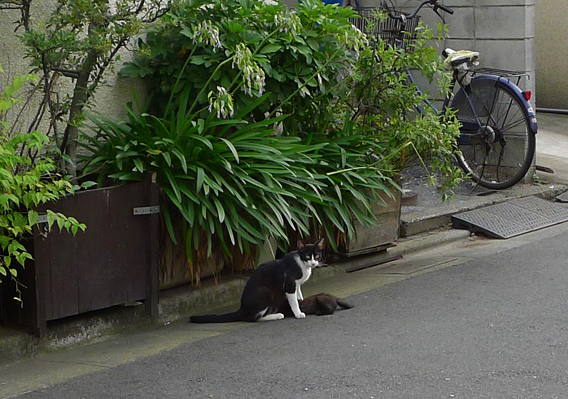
x: 218, y: 318
x: 343, y: 304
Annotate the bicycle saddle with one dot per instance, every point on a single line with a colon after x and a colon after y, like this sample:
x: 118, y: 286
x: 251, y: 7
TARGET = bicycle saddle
x: 455, y: 58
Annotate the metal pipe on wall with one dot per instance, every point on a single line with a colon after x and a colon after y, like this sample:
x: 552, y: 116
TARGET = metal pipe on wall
x: 552, y: 111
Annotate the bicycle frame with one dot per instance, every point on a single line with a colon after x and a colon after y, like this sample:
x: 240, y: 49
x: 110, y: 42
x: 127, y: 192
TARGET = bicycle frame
x: 496, y: 144
x: 467, y: 125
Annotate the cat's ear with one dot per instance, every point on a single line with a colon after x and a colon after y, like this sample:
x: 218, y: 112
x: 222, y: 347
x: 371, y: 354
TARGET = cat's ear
x: 321, y: 244
x: 300, y: 245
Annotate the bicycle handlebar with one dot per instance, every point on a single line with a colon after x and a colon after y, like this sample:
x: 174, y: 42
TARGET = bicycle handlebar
x: 413, y: 14
x: 444, y: 8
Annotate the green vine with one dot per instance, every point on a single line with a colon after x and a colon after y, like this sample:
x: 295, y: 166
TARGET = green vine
x: 24, y: 185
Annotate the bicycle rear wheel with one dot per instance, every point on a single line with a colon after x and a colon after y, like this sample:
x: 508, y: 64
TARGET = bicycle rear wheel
x: 497, y: 147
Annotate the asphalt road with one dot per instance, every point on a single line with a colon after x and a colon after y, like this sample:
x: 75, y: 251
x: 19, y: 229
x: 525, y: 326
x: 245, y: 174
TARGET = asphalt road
x: 488, y: 320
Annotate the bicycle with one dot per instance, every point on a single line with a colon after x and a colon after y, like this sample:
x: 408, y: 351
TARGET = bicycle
x: 497, y: 123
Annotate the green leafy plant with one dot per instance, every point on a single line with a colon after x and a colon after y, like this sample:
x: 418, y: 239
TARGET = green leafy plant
x: 384, y: 103
x: 237, y: 184
x: 24, y: 185
x: 247, y: 142
x: 248, y: 48
x: 222, y: 142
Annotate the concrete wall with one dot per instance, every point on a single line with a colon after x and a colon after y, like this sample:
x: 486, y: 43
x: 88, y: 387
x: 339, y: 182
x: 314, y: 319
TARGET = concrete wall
x: 551, y: 38
x: 109, y: 99
x: 501, y: 30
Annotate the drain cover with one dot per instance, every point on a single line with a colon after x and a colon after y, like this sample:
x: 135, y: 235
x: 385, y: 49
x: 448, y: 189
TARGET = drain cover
x: 563, y: 197
x: 512, y: 218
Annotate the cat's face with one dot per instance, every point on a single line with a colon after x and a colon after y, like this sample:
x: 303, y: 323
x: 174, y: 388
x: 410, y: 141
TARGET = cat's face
x: 311, y: 254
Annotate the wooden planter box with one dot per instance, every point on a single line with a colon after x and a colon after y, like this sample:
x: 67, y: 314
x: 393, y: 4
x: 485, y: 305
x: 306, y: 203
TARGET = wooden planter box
x: 373, y: 239
x: 174, y: 267
x: 113, y: 262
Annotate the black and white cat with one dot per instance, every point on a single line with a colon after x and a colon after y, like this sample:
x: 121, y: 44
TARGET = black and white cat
x: 271, y: 284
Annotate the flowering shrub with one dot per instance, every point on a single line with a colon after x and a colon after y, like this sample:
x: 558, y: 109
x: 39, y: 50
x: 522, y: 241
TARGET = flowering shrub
x: 226, y: 53
x: 212, y: 134
x: 258, y: 125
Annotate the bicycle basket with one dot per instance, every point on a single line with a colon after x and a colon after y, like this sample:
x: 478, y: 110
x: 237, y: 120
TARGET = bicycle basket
x: 394, y: 32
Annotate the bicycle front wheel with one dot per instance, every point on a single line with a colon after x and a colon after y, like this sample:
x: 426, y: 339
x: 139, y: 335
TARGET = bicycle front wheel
x: 496, y: 143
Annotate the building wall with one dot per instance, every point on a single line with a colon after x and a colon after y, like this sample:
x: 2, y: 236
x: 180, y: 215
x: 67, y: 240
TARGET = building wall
x: 109, y: 99
x: 551, y: 38
x: 501, y: 30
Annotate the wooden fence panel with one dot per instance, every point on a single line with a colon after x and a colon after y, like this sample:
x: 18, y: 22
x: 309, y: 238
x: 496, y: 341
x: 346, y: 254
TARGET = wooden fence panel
x: 113, y: 262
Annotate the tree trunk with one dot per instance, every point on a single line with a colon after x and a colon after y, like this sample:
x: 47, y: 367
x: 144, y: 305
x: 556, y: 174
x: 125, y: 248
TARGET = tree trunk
x: 72, y: 130
x: 80, y: 96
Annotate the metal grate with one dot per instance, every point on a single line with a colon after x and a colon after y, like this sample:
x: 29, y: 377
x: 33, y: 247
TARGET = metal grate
x: 512, y: 218
x: 548, y: 209
x: 562, y: 197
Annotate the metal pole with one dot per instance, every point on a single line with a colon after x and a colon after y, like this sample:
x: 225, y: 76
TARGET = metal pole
x: 552, y: 111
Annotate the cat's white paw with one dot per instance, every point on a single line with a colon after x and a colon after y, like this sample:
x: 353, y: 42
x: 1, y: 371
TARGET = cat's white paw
x: 272, y: 316
x: 300, y: 315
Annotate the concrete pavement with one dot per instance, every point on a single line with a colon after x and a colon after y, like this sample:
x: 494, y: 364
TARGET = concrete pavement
x: 51, y: 366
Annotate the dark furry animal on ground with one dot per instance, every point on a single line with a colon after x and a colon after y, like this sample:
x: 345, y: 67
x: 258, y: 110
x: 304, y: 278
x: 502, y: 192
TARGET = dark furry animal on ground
x: 320, y: 304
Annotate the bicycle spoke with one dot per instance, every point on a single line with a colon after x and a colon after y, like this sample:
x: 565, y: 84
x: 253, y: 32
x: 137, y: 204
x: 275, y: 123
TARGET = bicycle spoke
x: 514, y: 124
x: 499, y: 154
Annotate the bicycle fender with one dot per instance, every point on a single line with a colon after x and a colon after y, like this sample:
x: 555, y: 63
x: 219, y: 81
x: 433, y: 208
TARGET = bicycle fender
x: 533, y: 125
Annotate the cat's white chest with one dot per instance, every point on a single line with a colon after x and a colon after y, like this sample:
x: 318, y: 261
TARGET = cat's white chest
x: 306, y: 271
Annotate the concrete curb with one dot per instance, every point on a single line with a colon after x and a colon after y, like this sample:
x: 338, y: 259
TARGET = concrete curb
x: 178, y: 303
